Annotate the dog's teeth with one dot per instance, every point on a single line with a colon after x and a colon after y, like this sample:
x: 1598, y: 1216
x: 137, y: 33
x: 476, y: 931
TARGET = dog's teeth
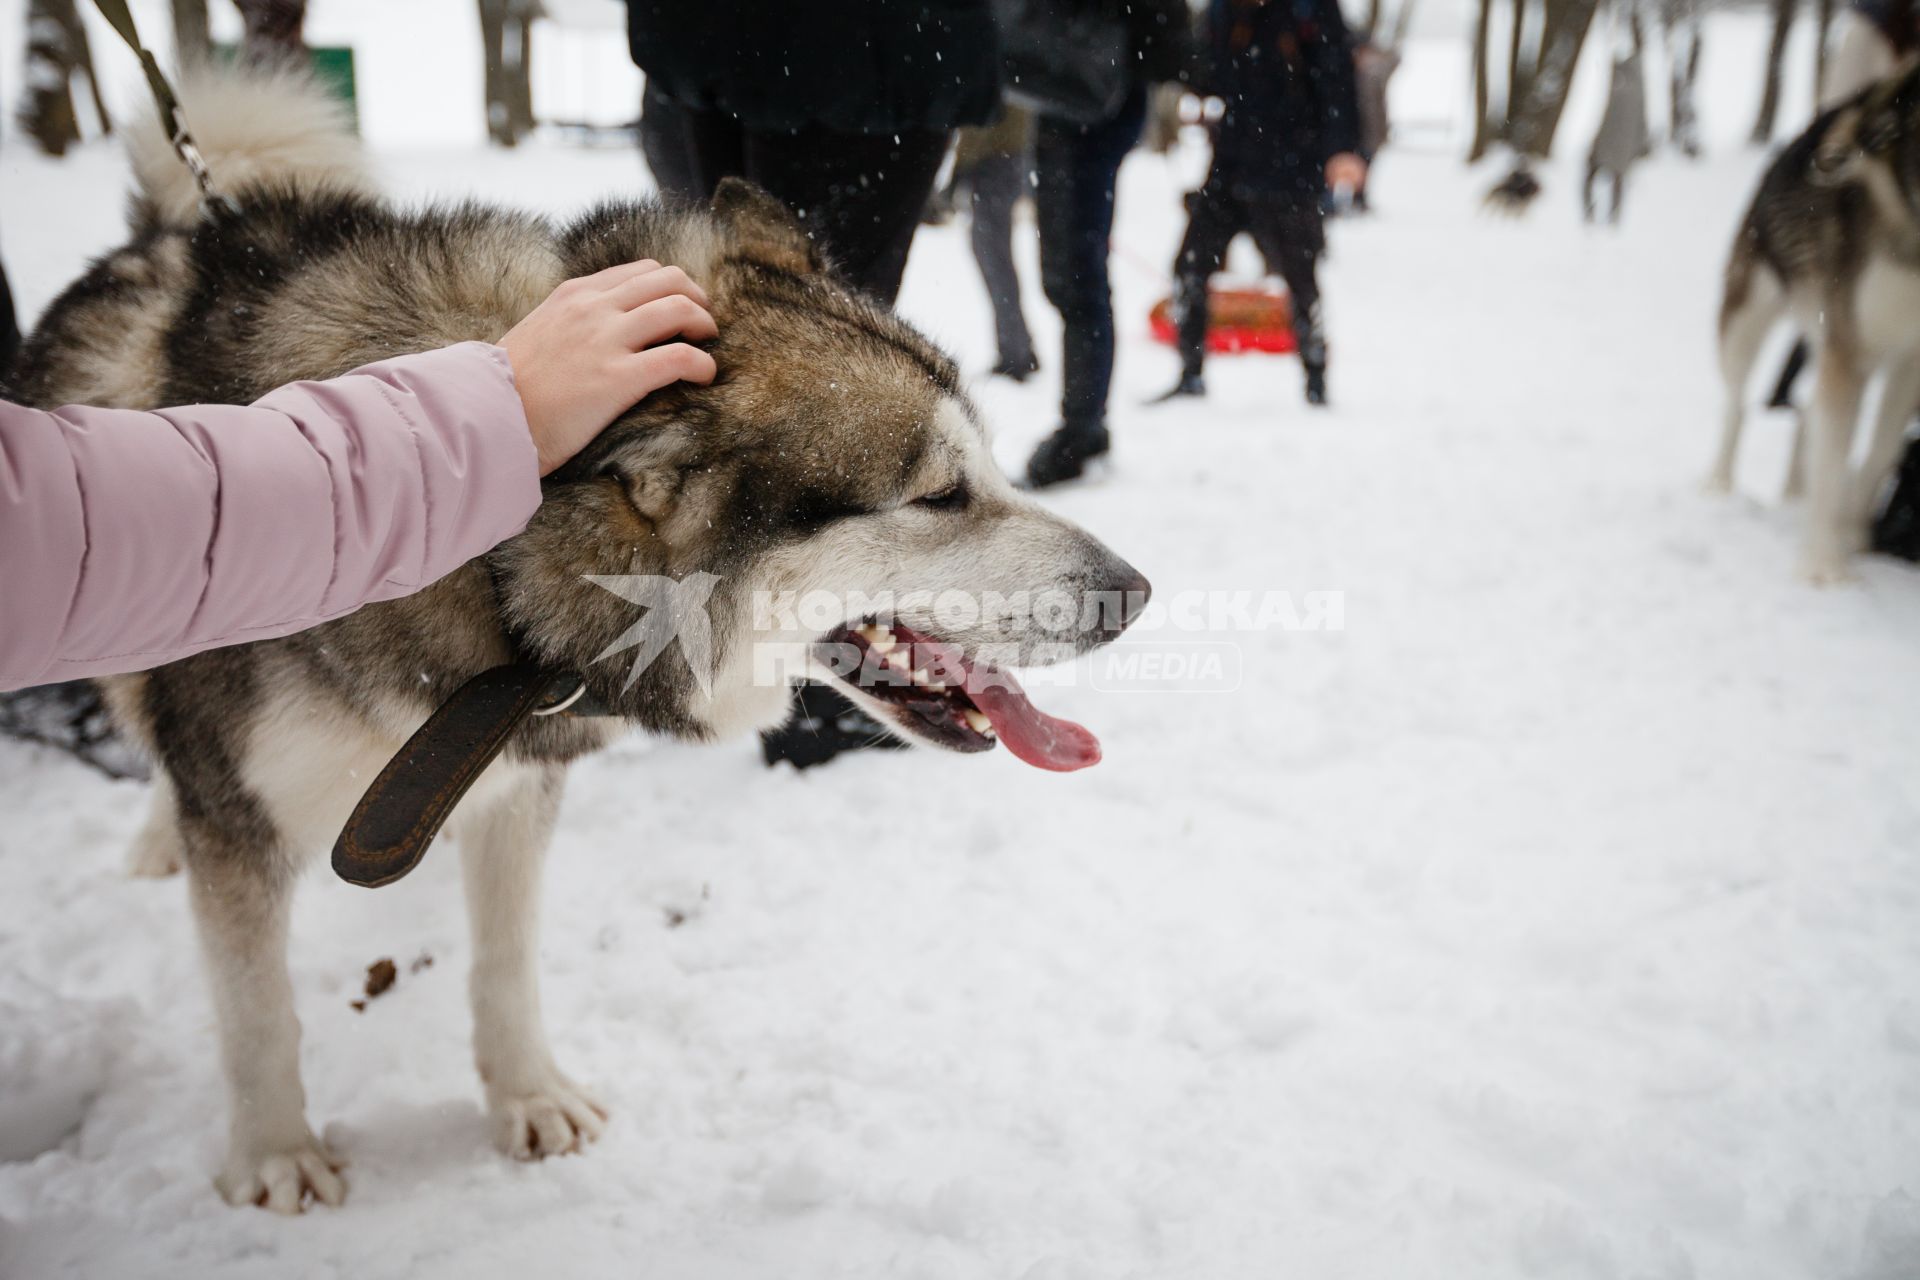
x: 935, y: 686
x: 879, y: 639
x: 920, y: 675
x: 978, y: 722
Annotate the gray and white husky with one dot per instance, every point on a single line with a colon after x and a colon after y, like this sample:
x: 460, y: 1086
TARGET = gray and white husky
x: 1833, y: 237
x: 836, y: 453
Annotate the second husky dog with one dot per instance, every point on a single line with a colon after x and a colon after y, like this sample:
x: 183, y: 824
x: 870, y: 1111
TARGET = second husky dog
x: 835, y: 455
x: 1833, y: 236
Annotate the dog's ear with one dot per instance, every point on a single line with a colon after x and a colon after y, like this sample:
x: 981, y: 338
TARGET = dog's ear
x: 1837, y: 158
x: 649, y: 461
x: 763, y: 227
x: 1887, y: 112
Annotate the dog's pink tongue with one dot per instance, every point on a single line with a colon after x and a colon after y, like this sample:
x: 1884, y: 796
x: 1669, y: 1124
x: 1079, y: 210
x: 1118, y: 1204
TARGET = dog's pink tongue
x: 1044, y: 741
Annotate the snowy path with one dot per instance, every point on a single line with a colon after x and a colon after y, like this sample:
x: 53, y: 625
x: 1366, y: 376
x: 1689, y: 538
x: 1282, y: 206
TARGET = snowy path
x: 1560, y: 917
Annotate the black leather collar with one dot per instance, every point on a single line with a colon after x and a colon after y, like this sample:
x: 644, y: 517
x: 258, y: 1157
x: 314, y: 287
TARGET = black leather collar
x: 389, y: 830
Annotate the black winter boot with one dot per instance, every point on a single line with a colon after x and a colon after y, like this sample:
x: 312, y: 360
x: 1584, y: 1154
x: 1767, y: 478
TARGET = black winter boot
x: 1018, y: 369
x: 1190, y: 318
x: 1191, y: 387
x: 1064, y: 455
x: 822, y: 726
x: 1313, y: 358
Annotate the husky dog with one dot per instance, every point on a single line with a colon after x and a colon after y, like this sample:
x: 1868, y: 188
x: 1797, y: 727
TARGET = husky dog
x: 1833, y: 237
x: 836, y: 452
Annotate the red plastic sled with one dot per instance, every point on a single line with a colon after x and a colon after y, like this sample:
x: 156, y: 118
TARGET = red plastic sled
x: 1239, y: 319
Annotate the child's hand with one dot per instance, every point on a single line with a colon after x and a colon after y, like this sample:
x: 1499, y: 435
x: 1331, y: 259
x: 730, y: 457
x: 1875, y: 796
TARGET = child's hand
x: 591, y: 351
x: 1346, y: 170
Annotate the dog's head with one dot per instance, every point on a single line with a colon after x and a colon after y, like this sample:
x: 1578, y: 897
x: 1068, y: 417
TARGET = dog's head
x: 827, y: 508
x: 1874, y: 138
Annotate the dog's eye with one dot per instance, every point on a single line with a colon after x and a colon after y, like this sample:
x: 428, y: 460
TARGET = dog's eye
x: 951, y: 498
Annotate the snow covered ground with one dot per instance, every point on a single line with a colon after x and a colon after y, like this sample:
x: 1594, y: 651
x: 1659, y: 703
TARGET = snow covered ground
x: 1558, y: 917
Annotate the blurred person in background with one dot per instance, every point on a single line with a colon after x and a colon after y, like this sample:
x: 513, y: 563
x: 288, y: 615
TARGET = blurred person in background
x: 1373, y: 68
x: 1076, y: 163
x: 844, y: 112
x: 994, y: 165
x: 1289, y: 132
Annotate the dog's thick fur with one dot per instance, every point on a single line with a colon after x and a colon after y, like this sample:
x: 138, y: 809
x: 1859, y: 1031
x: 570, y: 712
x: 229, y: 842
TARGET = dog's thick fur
x: 799, y: 469
x: 1833, y: 237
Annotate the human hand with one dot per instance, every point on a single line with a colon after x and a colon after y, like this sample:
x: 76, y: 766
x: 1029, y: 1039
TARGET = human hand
x: 1346, y: 170
x: 598, y: 345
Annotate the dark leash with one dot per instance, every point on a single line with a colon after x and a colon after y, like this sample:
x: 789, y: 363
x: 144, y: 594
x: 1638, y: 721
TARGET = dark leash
x: 172, y: 118
x: 389, y: 830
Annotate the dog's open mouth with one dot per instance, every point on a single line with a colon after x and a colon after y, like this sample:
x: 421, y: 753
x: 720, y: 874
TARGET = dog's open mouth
x: 931, y: 690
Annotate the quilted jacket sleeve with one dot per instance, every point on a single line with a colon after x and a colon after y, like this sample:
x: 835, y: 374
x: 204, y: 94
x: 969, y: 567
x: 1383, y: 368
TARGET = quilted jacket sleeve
x: 129, y: 539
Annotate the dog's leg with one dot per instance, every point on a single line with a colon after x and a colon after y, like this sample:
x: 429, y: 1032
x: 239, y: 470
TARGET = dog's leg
x: 1753, y: 303
x: 240, y: 905
x: 1898, y: 401
x: 156, y: 851
x: 1796, y: 484
x: 537, y: 1111
x: 1837, y: 387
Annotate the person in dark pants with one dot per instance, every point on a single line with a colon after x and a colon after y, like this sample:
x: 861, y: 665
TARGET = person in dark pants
x: 993, y: 165
x: 1075, y: 169
x: 845, y: 117
x: 1289, y: 132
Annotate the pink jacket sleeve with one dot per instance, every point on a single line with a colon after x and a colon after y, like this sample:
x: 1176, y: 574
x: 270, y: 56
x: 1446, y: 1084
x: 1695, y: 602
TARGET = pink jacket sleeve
x: 129, y: 539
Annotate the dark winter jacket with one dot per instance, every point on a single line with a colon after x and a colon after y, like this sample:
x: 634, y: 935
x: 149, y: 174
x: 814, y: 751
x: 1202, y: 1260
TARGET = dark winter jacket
x: 854, y: 66
x: 1284, y: 69
x: 1158, y: 32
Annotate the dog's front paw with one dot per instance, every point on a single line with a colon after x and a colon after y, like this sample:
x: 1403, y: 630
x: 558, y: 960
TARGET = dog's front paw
x: 552, y: 1119
x: 283, y: 1181
x: 1825, y: 571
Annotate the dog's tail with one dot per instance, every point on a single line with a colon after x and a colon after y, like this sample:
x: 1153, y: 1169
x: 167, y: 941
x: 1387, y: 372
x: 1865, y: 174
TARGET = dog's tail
x: 253, y: 126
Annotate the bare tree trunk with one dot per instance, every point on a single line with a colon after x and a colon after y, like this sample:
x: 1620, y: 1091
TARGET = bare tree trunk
x: 1776, y: 56
x: 273, y: 31
x: 1680, y: 20
x: 57, y: 50
x: 1822, y: 22
x: 1518, y: 69
x: 506, y: 30
x: 1372, y: 27
x: 191, y: 40
x: 1483, y: 129
x: 1562, y: 38
x: 520, y: 99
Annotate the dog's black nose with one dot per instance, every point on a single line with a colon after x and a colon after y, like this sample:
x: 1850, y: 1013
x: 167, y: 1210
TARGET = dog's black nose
x: 1134, y: 591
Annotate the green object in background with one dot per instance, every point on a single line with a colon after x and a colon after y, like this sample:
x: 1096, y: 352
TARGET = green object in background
x: 332, y: 67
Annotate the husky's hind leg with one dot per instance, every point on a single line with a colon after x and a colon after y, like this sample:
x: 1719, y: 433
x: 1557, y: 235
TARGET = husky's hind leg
x: 1837, y: 388
x: 156, y: 851
x: 1754, y: 300
x: 537, y: 1111
x: 240, y: 899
